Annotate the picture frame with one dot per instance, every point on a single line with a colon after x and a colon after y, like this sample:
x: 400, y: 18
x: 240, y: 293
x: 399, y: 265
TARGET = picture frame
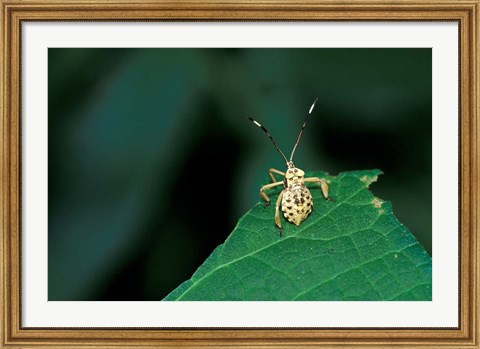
x: 16, y: 12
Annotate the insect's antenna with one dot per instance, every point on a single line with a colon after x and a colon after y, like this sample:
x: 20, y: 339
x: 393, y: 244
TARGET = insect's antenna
x: 269, y: 136
x: 301, y: 131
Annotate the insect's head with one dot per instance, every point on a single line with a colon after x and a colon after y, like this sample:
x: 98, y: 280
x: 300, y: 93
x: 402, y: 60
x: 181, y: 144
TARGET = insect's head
x: 289, y: 163
x: 294, y: 174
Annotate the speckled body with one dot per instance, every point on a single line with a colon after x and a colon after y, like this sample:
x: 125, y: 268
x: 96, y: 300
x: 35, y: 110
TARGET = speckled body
x: 297, y: 202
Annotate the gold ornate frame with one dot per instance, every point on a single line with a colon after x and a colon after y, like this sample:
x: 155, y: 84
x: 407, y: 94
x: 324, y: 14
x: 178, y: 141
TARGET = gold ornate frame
x: 464, y: 12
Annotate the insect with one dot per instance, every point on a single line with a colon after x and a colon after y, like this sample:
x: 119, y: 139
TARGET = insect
x: 295, y: 199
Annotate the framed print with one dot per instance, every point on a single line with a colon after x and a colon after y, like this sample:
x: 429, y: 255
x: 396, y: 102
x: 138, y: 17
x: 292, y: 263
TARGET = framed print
x: 248, y: 174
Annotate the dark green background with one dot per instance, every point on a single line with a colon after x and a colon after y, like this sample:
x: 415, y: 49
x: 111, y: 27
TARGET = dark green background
x: 152, y: 160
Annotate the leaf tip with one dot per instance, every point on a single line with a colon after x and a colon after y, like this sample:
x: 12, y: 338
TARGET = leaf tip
x: 371, y: 177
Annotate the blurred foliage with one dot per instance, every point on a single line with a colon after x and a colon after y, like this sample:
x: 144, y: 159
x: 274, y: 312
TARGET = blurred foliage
x: 152, y: 160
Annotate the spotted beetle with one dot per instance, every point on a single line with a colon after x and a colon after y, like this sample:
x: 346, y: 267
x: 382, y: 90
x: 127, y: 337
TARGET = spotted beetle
x: 295, y: 200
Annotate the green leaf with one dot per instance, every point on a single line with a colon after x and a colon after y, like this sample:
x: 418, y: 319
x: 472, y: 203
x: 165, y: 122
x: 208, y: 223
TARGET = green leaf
x: 352, y: 248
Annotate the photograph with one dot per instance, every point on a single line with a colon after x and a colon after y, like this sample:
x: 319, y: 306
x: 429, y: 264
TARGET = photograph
x: 239, y: 174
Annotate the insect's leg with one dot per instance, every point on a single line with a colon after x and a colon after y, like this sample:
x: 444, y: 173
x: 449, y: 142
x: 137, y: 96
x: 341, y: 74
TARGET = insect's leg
x: 264, y: 195
x: 278, y: 222
x: 323, y: 185
x: 272, y: 171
